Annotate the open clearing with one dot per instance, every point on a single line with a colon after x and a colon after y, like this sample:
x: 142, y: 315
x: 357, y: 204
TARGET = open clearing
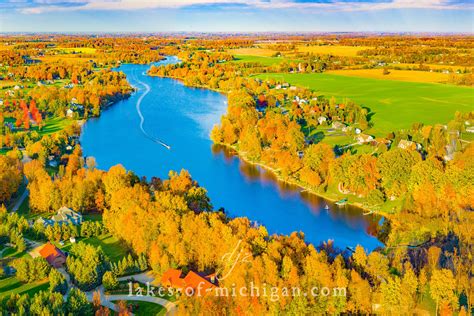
x: 403, y: 75
x: 111, y: 246
x: 396, y: 104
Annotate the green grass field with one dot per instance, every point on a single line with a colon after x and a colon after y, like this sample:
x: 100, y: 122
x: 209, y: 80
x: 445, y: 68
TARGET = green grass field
x: 12, y: 285
x: 54, y: 125
x: 396, y: 104
x: 146, y: 308
x: 111, y: 246
x: 265, y: 61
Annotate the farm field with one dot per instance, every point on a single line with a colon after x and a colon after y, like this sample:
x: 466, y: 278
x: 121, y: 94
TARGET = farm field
x: 266, y: 61
x: 402, y: 75
x: 337, y: 50
x: 396, y: 104
x: 82, y: 50
x: 254, y: 51
x: 433, y: 66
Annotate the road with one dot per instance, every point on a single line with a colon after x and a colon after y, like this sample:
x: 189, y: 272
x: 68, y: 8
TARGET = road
x: 20, y: 200
x: 106, y: 300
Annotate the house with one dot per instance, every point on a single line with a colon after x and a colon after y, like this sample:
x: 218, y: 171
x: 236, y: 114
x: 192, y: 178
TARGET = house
x: 470, y: 129
x: 321, y: 120
x: 194, y: 280
x: 173, y: 278
x: 66, y: 215
x: 53, y: 163
x: 364, y: 138
x: 53, y: 255
x: 358, y: 131
x: 72, y: 240
x: 338, y: 125
x: 450, y: 149
x: 407, y: 145
x: 45, y: 221
x: 383, y: 141
x: 69, y: 113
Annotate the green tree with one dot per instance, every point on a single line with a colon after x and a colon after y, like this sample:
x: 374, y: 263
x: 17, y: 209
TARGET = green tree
x: 109, y: 281
x: 77, y: 303
x: 57, y: 282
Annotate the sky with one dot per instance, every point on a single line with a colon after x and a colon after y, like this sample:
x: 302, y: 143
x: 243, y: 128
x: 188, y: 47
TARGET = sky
x: 91, y: 16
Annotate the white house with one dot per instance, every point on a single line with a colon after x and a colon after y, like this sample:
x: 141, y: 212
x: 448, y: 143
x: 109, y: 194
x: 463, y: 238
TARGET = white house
x: 338, y: 125
x: 321, y: 120
x: 364, y: 138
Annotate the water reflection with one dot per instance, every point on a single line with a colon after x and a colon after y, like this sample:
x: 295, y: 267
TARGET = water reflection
x: 348, y: 214
x: 183, y: 117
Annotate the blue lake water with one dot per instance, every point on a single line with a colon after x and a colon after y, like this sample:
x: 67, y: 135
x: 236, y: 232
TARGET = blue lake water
x: 182, y: 117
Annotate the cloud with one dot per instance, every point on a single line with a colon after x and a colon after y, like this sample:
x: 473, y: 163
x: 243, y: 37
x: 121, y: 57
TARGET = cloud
x: 43, y: 6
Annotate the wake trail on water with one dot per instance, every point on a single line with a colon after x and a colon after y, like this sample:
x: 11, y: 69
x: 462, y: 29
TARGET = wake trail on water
x: 142, y: 118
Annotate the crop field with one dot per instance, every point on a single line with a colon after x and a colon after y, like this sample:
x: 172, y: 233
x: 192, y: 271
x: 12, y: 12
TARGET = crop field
x: 449, y: 67
x: 266, y: 61
x: 78, y: 50
x: 254, y: 51
x: 395, y: 104
x: 336, y: 50
x: 402, y: 75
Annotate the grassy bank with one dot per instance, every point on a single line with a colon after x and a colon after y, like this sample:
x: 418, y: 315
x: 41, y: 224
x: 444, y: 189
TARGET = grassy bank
x: 395, y: 105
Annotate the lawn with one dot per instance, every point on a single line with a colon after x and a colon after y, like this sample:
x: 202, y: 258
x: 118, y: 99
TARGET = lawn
x: 12, y: 285
x: 112, y: 247
x: 53, y: 125
x: 402, y: 75
x: 146, y: 308
x: 395, y: 104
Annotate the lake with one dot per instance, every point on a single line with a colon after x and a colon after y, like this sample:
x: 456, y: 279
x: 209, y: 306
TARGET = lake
x: 164, y: 110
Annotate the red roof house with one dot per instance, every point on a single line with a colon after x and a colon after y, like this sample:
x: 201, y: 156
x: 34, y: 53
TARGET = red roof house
x: 53, y: 255
x: 194, y: 280
x: 172, y: 278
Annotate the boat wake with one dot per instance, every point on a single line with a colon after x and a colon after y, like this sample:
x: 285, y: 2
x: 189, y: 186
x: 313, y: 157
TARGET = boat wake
x: 142, y: 119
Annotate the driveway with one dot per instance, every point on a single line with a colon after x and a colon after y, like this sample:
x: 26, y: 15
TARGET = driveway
x: 106, y: 300
x: 35, y: 247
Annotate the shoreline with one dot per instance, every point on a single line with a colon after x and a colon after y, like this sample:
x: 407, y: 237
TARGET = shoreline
x: 296, y: 183
x: 274, y: 171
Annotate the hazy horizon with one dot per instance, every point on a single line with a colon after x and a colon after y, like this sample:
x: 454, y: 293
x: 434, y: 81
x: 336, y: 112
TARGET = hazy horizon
x: 227, y: 16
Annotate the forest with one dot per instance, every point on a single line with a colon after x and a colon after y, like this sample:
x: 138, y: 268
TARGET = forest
x: 418, y: 178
